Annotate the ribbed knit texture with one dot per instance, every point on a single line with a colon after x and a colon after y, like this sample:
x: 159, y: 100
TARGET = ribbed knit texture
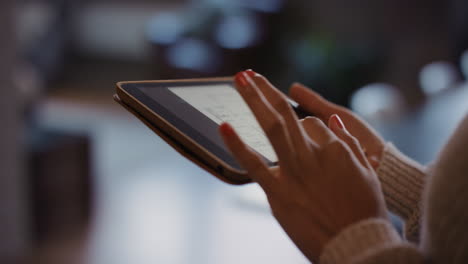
x: 402, y: 253
x: 402, y: 181
x: 444, y: 234
x: 367, y: 235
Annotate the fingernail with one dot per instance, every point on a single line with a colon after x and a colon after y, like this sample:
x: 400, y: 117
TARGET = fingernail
x: 240, y: 79
x: 226, y: 129
x: 250, y: 73
x: 339, y: 122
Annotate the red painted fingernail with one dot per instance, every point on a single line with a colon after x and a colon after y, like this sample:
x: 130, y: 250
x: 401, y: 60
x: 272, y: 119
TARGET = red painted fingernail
x: 250, y: 73
x: 240, y: 79
x: 226, y: 129
x: 338, y: 121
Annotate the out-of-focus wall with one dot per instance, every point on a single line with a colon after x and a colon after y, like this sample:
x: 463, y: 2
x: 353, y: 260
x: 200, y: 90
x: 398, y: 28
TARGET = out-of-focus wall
x: 409, y: 34
x: 118, y: 30
x: 13, y: 233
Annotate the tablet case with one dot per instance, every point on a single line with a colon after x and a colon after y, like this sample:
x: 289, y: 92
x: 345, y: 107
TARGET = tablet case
x: 178, y: 147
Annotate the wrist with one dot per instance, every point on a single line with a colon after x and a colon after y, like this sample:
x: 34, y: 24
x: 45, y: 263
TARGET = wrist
x: 350, y: 243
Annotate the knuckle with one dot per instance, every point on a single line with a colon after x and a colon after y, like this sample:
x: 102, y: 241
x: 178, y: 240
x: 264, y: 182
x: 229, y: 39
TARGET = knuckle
x: 335, y: 146
x: 274, y: 125
x: 355, y: 141
x: 351, y: 140
x: 281, y: 105
x: 253, y: 164
x: 312, y: 121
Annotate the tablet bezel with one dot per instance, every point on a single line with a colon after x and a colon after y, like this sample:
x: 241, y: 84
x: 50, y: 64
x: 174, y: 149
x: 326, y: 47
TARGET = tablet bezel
x: 206, y: 150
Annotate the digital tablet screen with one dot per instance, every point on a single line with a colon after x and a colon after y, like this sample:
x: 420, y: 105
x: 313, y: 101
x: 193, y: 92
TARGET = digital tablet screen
x: 198, y: 108
x: 222, y: 103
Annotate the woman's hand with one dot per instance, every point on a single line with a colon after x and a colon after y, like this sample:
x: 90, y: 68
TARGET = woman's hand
x: 370, y: 140
x: 323, y: 183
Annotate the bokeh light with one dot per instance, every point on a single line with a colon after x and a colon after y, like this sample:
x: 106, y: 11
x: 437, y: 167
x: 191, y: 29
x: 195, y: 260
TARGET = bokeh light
x: 236, y: 32
x: 377, y: 100
x: 193, y: 54
x: 165, y: 28
x: 437, y: 76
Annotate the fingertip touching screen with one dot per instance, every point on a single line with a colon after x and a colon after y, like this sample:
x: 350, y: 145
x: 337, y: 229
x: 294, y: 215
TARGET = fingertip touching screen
x: 197, y: 109
x: 222, y: 103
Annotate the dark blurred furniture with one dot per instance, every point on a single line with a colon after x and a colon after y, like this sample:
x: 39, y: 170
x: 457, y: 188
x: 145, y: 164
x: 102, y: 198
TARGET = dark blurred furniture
x: 14, y: 240
x: 60, y: 183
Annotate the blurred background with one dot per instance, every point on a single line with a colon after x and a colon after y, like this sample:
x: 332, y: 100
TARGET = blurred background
x: 82, y: 181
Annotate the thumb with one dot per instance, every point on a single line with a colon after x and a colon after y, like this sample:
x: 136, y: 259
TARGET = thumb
x: 312, y: 102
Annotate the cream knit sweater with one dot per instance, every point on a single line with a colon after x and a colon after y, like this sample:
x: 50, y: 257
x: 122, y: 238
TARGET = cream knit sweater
x: 432, y: 202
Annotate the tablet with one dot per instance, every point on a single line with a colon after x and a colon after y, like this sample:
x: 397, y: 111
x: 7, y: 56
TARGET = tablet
x: 187, y: 115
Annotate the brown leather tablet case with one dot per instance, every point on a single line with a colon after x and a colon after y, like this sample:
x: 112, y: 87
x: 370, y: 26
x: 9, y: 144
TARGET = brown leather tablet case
x: 178, y: 147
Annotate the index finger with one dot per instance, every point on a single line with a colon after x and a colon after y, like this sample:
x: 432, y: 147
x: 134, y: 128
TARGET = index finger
x: 283, y: 107
x: 271, y: 122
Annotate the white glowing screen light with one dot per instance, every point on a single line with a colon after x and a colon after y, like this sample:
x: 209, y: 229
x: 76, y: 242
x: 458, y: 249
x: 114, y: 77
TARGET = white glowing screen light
x: 375, y: 99
x: 437, y: 76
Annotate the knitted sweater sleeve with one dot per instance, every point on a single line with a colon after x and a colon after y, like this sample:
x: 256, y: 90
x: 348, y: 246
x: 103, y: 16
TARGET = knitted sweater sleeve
x: 444, y: 236
x: 370, y: 241
x: 376, y: 240
x: 402, y: 180
x: 444, y: 233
